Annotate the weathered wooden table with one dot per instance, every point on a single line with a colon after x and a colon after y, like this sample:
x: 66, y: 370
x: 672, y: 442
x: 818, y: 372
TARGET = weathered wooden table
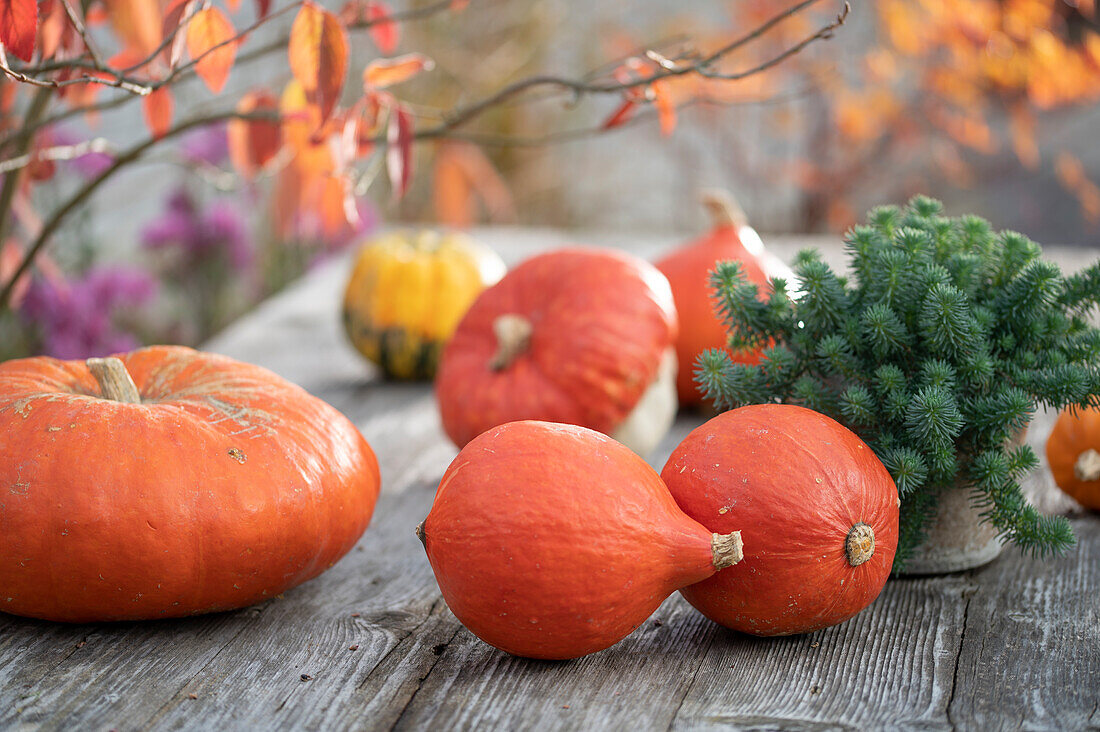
x: 370, y: 644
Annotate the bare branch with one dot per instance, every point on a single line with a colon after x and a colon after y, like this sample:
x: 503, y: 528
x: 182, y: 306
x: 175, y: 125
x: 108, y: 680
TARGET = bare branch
x: 58, y: 152
x: 701, y: 67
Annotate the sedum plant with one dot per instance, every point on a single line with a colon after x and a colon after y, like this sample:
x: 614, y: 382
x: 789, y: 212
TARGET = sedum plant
x: 937, y: 349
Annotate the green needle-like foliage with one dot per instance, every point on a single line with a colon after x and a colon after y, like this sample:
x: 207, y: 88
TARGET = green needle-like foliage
x: 936, y: 348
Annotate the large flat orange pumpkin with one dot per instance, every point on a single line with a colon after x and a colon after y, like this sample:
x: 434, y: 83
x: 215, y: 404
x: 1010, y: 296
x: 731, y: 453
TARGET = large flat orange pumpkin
x: 169, y: 483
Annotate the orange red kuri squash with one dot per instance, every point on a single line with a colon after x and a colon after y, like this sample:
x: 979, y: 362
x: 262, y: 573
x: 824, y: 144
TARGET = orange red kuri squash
x: 1073, y: 453
x: 818, y: 509
x: 554, y: 541
x: 688, y: 270
x: 581, y: 336
x: 168, y: 482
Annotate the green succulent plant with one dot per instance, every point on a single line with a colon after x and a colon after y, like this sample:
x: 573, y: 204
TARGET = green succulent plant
x: 936, y: 348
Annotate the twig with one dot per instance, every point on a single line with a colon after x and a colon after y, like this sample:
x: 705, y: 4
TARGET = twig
x: 58, y: 152
x: 82, y: 30
x: 37, y: 108
x: 463, y: 115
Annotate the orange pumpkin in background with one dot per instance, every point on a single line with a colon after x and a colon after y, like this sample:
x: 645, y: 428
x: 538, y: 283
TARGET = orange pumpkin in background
x: 554, y: 541
x: 1073, y: 453
x: 581, y: 336
x: 168, y: 482
x: 688, y: 271
x: 817, y: 509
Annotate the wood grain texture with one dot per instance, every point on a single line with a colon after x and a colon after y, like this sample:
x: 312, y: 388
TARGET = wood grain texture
x: 1030, y: 654
x: 1014, y: 644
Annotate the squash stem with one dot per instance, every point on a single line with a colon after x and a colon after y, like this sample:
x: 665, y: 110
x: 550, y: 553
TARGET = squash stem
x: 859, y: 546
x: 723, y: 208
x: 513, y: 334
x: 115, y: 382
x: 1087, y: 467
x: 726, y: 549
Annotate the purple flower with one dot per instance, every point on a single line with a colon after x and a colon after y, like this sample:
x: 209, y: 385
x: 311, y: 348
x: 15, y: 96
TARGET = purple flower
x: 197, y: 236
x: 78, y: 318
x: 206, y: 145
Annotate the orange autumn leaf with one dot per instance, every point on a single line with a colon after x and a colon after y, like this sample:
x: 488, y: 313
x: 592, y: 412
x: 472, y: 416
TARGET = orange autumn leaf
x: 19, y: 26
x: 458, y: 5
x: 233, y: 5
x: 138, y: 23
x: 1022, y: 129
x: 158, y: 106
x: 55, y: 30
x: 254, y: 142
x: 210, y: 42
x: 666, y: 107
x: 304, y: 132
x: 462, y: 176
x: 1071, y: 174
x: 330, y: 200
x: 384, y: 72
x: 399, y: 136
x: 318, y: 52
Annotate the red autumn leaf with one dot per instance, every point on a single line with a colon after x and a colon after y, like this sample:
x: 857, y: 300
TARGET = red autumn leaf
x: 254, y: 142
x: 157, y: 106
x: 174, y: 15
x: 263, y: 7
x: 384, y: 72
x: 19, y: 26
x: 666, y: 109
x: 210, y: 42
x: 621, y: 115
x: 399, y: 136
x: 385, y: 33
x: 375, y: 16
x: 318, y: 51
x: 138, y: 23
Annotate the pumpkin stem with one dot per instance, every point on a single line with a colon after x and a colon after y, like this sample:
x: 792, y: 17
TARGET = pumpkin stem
x: 513, y: 334
x: 860, y: 544
x: 723, y: 208
x: 115, y: 382
x: 726, y: 549
x: 421, y: 535
x: 1087, y: 467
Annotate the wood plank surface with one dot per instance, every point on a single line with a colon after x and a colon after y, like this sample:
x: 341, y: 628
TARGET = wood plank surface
x: 371, y: 645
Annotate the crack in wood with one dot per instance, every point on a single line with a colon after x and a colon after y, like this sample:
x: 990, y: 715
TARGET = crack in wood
x: 690, y: 684
x: 424, y: 677
x: 967, y: 594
